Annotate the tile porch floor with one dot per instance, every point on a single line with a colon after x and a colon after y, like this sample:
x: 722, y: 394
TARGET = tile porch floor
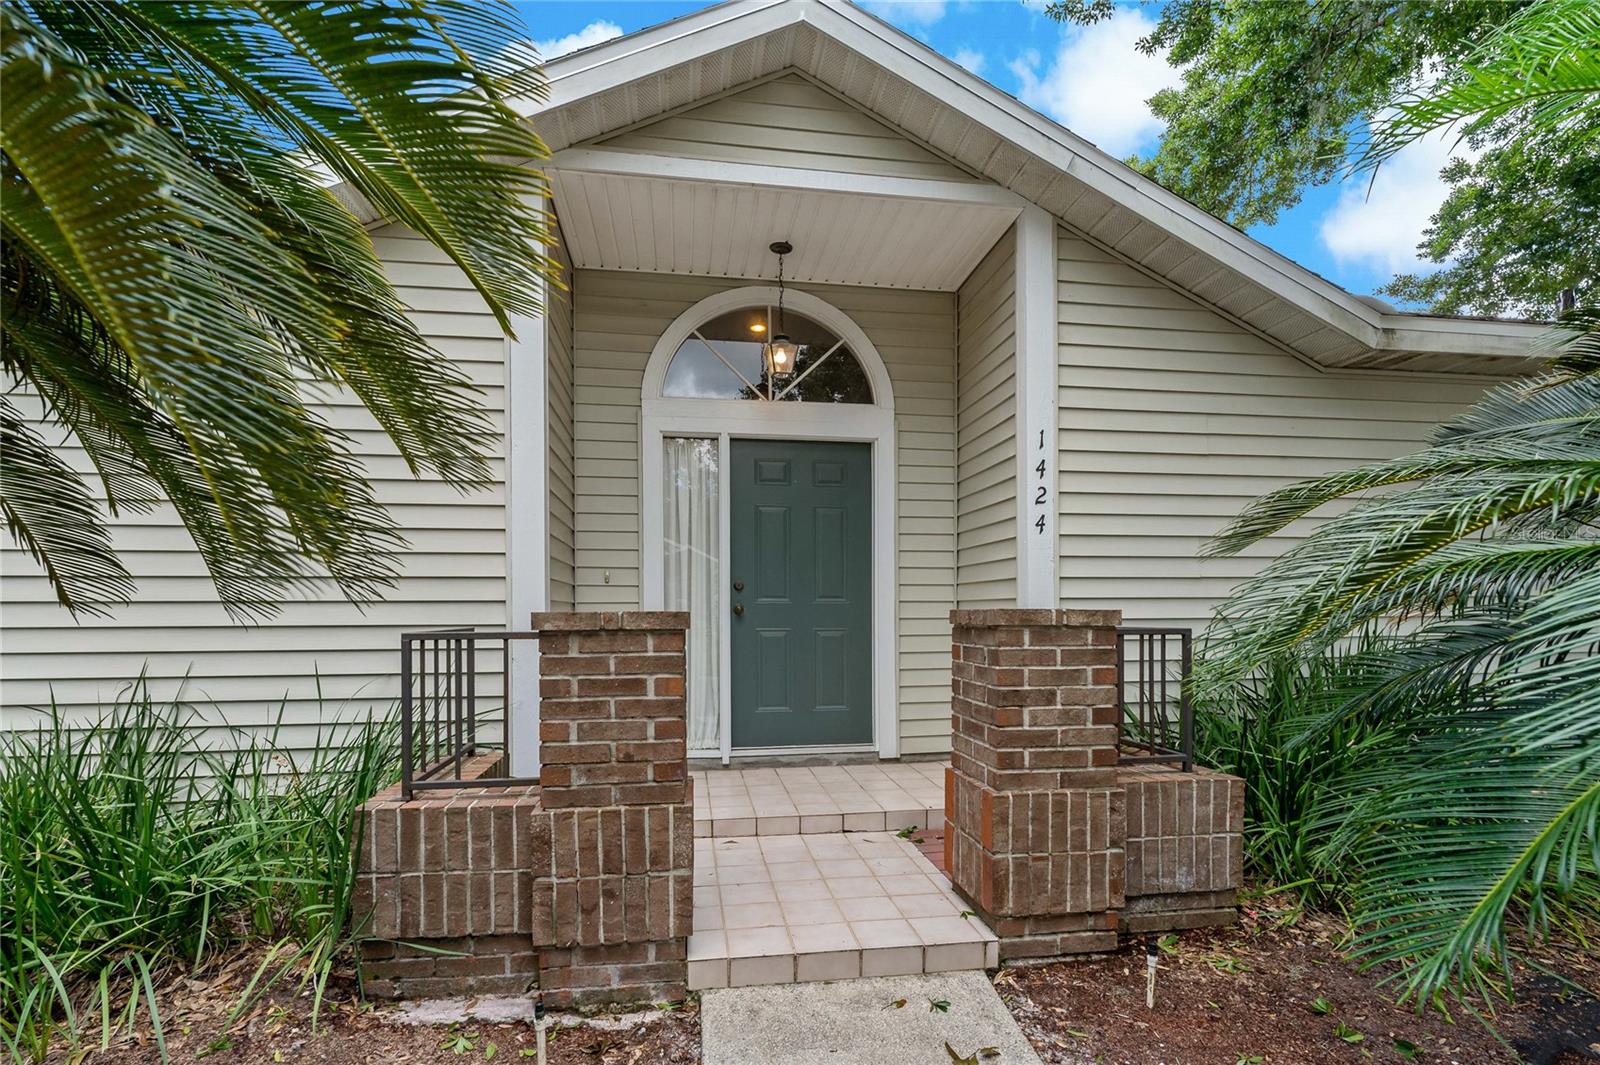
x: 789, y: 800
x: 800, y: 875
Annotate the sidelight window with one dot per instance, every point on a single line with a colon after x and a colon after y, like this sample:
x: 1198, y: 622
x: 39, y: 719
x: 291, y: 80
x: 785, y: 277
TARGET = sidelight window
x: 692, y: 574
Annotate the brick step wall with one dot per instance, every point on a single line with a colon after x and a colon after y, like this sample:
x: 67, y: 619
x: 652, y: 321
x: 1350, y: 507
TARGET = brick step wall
x: 582, y: 887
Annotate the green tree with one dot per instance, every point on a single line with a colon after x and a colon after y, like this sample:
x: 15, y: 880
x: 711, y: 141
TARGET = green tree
x: 179, y: 276
x: 1529, y: 99
x: 1278, y: 95
x: 1467, y: 577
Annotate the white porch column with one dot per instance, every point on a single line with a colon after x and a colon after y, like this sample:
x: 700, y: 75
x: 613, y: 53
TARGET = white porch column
x: 527, y: 530
x: 1038, y: 557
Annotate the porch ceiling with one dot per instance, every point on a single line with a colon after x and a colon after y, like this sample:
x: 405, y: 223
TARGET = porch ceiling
x: 723, y: 229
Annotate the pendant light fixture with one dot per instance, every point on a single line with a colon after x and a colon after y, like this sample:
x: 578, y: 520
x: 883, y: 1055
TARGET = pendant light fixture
x: 780, y: 352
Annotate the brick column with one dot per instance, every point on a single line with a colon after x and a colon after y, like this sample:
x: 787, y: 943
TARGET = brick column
x: 613, y: 840
x: 1034, y: 821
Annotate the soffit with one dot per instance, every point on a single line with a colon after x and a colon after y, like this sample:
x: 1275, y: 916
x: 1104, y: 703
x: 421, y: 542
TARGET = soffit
x: 626, y: 222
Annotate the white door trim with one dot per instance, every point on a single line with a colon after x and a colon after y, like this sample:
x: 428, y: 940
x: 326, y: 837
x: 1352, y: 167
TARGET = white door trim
x: 724, y: 420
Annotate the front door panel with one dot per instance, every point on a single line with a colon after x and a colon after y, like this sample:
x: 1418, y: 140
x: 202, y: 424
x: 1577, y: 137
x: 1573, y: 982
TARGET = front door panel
x: 800, y: 591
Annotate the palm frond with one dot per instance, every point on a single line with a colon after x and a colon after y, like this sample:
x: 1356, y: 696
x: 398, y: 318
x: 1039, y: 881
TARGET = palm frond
x: 1355, y: 567
x: 1543, y: 63
x: 405, y: 102
x: 1573, y: 345
x: 1521, y: 422
x: 1453, y: 829
x: 50, y: 513
x: 187, y: 282
x: 1552, y: 667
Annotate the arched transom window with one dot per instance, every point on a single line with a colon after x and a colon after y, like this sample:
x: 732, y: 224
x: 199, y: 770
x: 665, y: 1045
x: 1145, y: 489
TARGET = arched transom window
x: 722, y: 360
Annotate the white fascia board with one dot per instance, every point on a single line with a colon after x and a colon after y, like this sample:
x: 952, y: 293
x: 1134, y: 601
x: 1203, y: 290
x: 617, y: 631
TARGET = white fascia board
x: 628, y: 58
x: 679, y: 168
x: 1460, y: 336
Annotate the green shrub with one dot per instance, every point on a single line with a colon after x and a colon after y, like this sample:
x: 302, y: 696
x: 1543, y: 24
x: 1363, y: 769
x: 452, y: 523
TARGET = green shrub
x: 1269, y: 730
x: 137, y: 845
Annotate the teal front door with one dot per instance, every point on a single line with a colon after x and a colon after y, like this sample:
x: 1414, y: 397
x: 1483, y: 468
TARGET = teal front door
x: 800, y: 591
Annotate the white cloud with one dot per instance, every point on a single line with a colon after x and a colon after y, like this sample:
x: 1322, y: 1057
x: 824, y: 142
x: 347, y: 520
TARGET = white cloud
x: 592, y: 34
x: 970, y: 58
x: 1381, y: 229
x: 918, y: 12
x: 1097, y: 82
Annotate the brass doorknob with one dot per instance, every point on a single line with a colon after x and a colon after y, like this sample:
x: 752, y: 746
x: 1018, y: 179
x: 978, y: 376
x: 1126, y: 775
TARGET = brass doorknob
x: 738, y: 610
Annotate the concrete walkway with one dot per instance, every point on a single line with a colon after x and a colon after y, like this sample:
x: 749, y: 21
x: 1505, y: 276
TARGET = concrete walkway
x: 854, y: 1022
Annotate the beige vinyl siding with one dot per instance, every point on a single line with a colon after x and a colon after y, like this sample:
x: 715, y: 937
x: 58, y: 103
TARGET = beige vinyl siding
x: 619, y: 317
x: 453, y: 574
x: 1174, y: 418
x: 558, y: 436
x: 788, y: 121
x: 986, y: 431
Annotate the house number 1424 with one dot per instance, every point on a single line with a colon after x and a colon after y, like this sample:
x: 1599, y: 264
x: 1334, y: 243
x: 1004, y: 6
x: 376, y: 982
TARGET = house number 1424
x: 1041, y: 494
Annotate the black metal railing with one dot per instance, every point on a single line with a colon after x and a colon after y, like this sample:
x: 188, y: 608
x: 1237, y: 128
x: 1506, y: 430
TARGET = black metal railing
x: 1153, y: 667
x: 455, y: 705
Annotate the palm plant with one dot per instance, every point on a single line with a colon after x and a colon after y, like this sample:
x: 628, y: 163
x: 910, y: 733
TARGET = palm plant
x: 1467, y: 581
x: 1471, y: 574
x: 180, y: 275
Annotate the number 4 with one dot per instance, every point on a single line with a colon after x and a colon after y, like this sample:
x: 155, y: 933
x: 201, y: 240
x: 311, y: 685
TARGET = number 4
x: 1039, y: 523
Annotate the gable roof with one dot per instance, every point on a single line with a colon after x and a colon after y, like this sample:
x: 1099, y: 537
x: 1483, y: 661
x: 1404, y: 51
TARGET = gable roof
x: 629, y: 80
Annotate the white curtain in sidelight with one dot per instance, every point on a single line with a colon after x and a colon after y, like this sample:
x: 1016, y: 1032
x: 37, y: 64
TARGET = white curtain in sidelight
x: 693, y: 575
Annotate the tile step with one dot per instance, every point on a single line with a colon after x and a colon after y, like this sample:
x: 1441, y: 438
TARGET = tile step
x: 756, y: 970
x: 705, y: 825
x: 808, y: 800
x: 797, y: 908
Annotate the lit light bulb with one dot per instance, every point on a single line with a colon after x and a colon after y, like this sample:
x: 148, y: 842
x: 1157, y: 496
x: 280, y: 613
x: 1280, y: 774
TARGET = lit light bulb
x: 781, y: 354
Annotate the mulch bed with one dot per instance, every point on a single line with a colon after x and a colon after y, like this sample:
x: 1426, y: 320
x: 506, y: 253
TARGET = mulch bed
x: 277, y: 1031
x: 1271, y: 991
x: 1246, y: 995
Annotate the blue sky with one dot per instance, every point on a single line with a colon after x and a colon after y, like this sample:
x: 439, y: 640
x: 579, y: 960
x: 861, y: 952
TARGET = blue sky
x: 1095, y: 82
